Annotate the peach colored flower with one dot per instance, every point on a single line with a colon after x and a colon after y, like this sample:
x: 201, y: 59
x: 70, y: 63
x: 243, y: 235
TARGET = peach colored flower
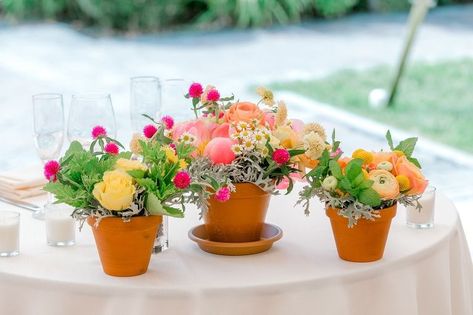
x: 219, y: 150
x: 385, y: 184
x: 201, y: 129
x: 244, y: 111
x: 270, y: 119
x: 382, y: 156
x: 222, y: 131
x: 416, y: 179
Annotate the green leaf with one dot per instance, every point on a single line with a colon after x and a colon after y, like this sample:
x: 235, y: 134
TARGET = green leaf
x: 407, y: 146
x: 389, y: 138
x: 137, y: 173
x: 358, y: 180
x: 345, y: 184
x: 366, y: 184
x: 153, y: 205
x: 296, y: 152
x: 414, y: 161
x: 353, y: 169
x: 335, y: 169
x: 74, y: 147
x: 369, y: 197
x: 148, y: 184
x: 173, y: 212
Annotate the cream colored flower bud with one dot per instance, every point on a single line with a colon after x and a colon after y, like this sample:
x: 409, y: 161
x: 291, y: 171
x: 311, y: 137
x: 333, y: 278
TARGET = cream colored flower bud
x: 385, y: 165
x: 330, y: 183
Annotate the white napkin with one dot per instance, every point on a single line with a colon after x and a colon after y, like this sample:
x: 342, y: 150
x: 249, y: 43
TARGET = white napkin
x: 22, y: 183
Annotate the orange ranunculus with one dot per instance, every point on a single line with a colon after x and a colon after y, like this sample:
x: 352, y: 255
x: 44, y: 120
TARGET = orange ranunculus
x: 385, y: 184
x: 306, y: 162
x: 417, y: 180
x: 244, y: 111
x: 343, y: 162
x: 382, y: 156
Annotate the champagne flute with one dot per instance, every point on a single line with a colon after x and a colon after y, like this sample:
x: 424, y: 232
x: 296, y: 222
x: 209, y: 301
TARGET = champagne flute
x: 145, y: 98
x: 88, y: 111
x: 48, y: 119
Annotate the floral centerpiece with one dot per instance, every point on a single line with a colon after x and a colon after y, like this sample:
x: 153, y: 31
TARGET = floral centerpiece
x: 123, y: 199
x: 244, y: 152
x: 361, y: 193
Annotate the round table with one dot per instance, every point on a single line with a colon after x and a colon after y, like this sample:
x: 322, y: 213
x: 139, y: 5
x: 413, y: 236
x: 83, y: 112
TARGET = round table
x: 423, y: 272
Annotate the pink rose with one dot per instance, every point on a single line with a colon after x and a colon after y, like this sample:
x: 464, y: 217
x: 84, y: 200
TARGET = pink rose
x: 219, y: 150
x: 200, y: 129
x: 284, y: 184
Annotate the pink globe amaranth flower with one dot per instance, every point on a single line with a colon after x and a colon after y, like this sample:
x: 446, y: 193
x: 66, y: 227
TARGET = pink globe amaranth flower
x: 98, y: 131
x: 173, y: 146
x: 223, y: 194
x: 195, y: 90
x: 168, y: 121
x: 51, y: 168
x: 111, y: 148
x: 149, y: 131
x: 213, y: 95
x: 182, y: 180
x: 281, y: 156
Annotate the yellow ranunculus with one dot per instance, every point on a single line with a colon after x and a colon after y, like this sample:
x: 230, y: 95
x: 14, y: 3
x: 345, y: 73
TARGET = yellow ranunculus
x: 116, y: 191
x: 182, y: 164
x: 171, y: 155
x: 129, y: 165
x: 366, y: 156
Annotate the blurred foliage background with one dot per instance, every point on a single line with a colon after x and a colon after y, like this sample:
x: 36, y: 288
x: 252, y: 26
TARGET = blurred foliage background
x: 158, y: 15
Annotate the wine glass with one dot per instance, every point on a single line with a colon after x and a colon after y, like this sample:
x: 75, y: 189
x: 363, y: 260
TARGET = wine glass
x: 88, y: 111
x: 48, y: 126
x: 145, y: 98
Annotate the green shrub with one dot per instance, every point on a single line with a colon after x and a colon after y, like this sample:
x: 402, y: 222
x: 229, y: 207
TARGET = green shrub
x: 388, y: 5
x: 334, y: 8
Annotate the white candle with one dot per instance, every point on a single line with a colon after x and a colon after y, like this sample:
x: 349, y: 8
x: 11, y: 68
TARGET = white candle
x: 425, y: 217
x: 9, y: 233
x: 60, y: 227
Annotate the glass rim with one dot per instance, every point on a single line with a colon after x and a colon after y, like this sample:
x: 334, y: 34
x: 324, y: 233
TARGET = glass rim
x: 9, y: 214
x: 91, y: 96
x: 175, y: 80
x: 145, y: 78
x: 47, y: 96
x: 430, y: 189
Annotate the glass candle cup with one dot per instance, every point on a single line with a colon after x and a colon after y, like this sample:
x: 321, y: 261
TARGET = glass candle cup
x: 422, y: 218
x: 9, y: 233
x: 60, y: 226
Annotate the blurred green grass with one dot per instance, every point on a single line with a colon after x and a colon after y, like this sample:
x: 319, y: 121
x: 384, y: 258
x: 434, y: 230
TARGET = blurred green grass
x: 433, y: 99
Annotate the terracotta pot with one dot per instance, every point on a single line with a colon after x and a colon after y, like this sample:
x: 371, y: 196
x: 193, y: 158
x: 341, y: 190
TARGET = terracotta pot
x: 241, y: 218
x: 365, y: 241
x: 125, y: 247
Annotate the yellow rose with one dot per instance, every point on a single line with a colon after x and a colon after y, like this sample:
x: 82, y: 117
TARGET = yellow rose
x: 129, y: 165
x: 116, y: 191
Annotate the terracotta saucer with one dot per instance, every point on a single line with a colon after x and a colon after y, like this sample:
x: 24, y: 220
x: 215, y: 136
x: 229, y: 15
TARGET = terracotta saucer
x: 270, y: 234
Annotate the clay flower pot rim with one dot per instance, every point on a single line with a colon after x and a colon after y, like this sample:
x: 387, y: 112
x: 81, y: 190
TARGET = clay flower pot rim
x: 95, y: 221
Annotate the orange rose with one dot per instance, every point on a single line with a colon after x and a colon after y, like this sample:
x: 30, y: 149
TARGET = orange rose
x: 417, y: 180
x: 379, y: 157
x: 244, y: 111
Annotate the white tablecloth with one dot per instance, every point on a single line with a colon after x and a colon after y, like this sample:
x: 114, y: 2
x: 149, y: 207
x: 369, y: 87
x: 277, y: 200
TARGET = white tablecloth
x: 424, y: 272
